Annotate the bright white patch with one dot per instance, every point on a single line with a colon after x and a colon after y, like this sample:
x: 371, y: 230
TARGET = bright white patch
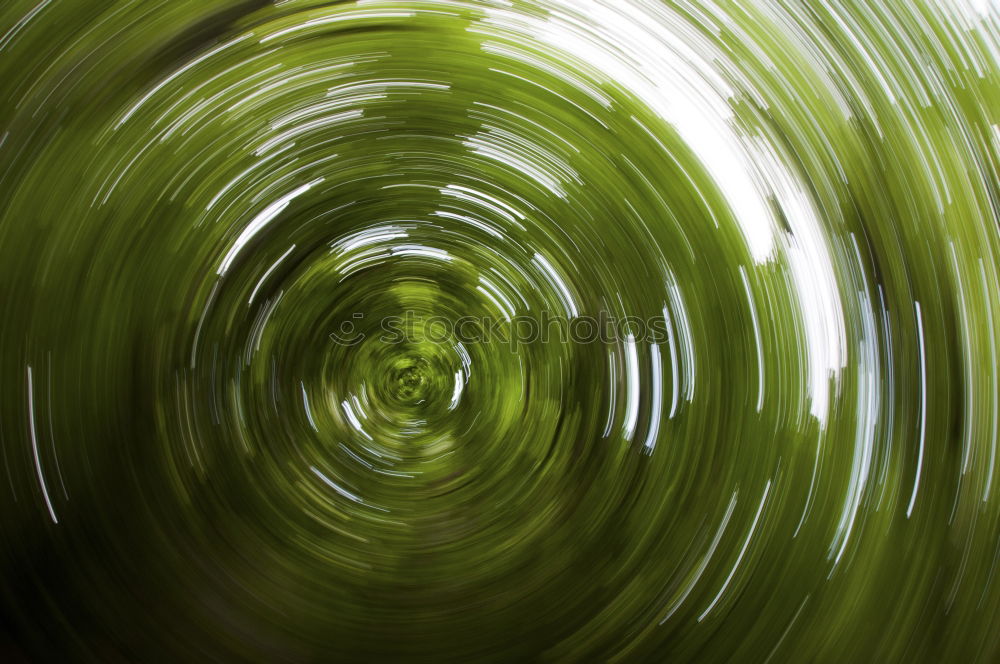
x: 814, y: 279
x: 652, y: 52
x: 457, y: 394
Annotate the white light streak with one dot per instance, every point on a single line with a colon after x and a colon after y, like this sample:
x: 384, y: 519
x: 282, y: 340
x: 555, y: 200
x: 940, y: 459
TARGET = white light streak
x: 657, y: 406
x: 336, y: 487
x: 757, y: 339
x: 923, y: 409
x: 261, y: 220
x: 268, y: 273
x: 557, y: 282
x: 632, y: 389
x: 34, y: 446
x: 305, y: 404
x: 739, y: 558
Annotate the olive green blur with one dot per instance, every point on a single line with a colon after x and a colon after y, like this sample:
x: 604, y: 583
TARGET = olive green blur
x: 198, y: 196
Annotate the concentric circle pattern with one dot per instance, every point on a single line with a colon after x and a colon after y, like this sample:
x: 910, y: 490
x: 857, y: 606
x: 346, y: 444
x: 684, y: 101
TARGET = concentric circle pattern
x: 489, y: 330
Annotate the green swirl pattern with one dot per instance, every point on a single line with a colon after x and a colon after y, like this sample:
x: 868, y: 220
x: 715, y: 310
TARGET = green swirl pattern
x: 243, y: 244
